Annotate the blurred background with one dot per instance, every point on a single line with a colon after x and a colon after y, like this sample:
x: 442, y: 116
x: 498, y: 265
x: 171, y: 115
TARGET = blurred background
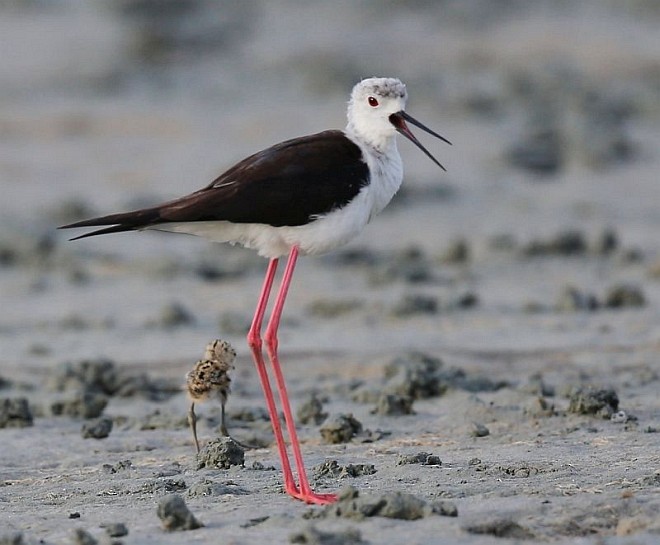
x: 553, y: 107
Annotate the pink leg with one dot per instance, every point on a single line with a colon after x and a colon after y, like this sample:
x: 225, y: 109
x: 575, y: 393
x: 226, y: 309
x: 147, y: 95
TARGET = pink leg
x: 254, y: 340
x: 305, y: 492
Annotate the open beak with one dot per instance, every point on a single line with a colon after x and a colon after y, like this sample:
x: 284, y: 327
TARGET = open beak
x: 399, y: 119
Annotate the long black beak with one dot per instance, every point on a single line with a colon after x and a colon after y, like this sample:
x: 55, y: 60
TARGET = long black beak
x: 399, y: 119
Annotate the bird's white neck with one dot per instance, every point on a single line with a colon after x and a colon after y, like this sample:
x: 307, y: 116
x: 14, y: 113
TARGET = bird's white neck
x: 379, y: 144
x: 385, y: 166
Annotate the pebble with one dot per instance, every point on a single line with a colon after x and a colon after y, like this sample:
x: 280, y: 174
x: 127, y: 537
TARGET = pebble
x: 540, y: 407
x: 479, y: 430
x: 604, y: 139
x: 83, y: 537
x: 173, y: 315
x: 340, y: 428
x: 116, y: 529
x: 311, y: 411
x: 412, y: 304
x: 505, y: 528
x: 458, y: 252
x: 422, y: 458
x: 208, y: 487
x: 221, y: 453
x: 572, y: 300
x: 444, y: 508
x: 99, y: 375
x: 15, y: 538
x: 313, y: 536
x: 606, y: 243
x: 566, y: 243
x: 537, y: 385
x: 175, y: 515
x: 234, y: 323
x: 619, y: 417
x: 624, y: 296
x: 333, y: 308
x: 410, y: 265
x: 599, y: 402
x: 15, y: 413
x: 539, y: 146
x: 393, y: 405
x: 395, y: 505
x: 98, y: 428
x: 416, y: 374
x: 333, y: 469
x: 86, y: 405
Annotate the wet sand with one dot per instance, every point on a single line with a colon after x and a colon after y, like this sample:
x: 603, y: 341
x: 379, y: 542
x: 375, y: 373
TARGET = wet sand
x: 495, y: 332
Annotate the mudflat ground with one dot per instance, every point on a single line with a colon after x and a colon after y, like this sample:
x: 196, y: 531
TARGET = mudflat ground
x: 495, y: 332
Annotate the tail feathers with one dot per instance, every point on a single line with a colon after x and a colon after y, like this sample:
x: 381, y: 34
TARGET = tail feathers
x: 128, y: 221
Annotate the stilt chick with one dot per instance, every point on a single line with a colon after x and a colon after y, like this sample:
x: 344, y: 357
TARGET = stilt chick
x: 209, y: 379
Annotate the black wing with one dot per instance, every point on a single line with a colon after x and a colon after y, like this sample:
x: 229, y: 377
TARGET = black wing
x: 288, y: 184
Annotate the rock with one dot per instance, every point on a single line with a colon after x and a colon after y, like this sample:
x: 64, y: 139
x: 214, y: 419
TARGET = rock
x: 566, y: 243
x: 83, y: 537
x: 468, y: 299
x: 499, y: 528
x: 444, y: 508
x: 333, y: 469
x: 234, y: 323
x: 620, y: 417
x: 413, y: 304
x: 333, y: 308
x: 175, y: 515
x: 540, y: 407
x: 98, y: 376
x: 539, y: 146
x: 537, y: 385
x: 416, y: 375
x: 340, y: 429
x: 116, y: 529
x: 221, y: 453
x: 15, y: 413
x: 458, y: 252
x: 604, y: 139
x: 410, y: 265
x: 86, y: 405
x: 122, y: 465
x: 313, y: 536
x: 395, y: 505
x: 572, y: 300
x: 163, y: 486
x: 479, y: 430
x: 173, y: 315
x: 393, y: 405
x: 607, y: 243
x: 15, y: 538
x: 423, y: 458
x: 99, y: 428
x: 622, y: 296
x: 311, y: 412
x: 210, y: 488
x: 603, y: 402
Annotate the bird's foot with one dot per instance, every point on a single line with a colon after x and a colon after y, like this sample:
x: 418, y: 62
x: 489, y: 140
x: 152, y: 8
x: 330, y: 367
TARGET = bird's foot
x: 311, y: 497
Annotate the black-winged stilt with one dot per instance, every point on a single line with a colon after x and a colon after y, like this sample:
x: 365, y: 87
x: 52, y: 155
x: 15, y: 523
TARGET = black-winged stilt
x: 306, y: 196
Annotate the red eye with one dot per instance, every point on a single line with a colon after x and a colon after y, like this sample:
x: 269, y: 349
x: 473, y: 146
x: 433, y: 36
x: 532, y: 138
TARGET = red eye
x: 372, y: 102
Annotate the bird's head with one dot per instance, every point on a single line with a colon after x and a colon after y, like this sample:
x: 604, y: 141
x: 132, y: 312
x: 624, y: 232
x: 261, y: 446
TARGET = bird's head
x: 376, y: 112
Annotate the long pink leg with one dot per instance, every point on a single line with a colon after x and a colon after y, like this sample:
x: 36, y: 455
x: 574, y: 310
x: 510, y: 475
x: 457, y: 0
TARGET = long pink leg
x: 305, y: 492
x: 254, y: 340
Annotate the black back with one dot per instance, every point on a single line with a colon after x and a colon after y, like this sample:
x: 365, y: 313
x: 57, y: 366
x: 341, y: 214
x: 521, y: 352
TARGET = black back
x: 289, y: 184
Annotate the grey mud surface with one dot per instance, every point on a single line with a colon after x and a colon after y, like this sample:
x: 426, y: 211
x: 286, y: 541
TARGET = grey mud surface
x: 485, y: 356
